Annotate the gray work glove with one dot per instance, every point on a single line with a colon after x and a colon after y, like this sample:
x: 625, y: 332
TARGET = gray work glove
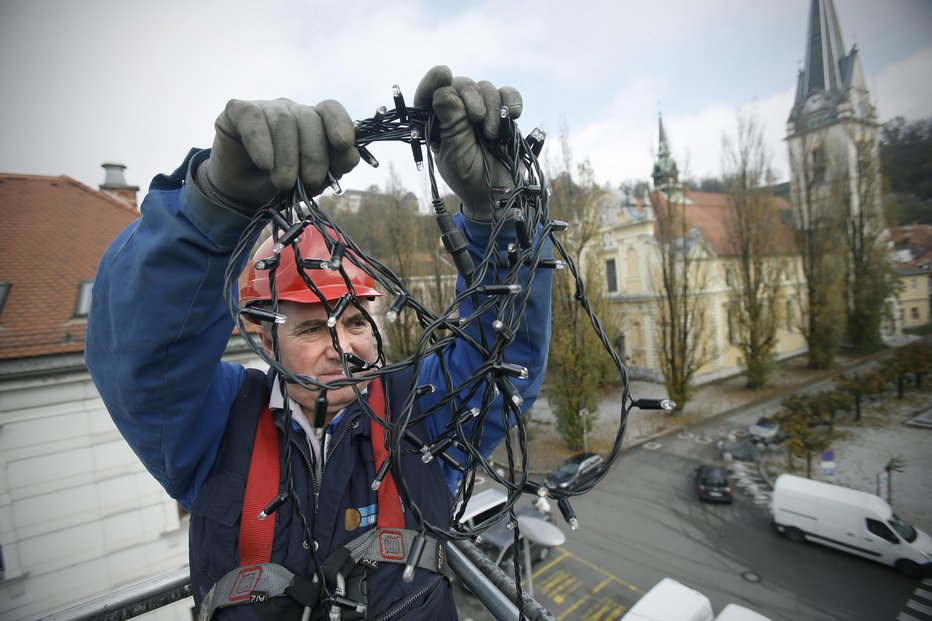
x: 461, y: 106
x: 261, y: 146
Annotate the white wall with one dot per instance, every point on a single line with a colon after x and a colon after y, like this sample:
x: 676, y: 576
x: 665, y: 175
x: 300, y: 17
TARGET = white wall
x: 79, y: 516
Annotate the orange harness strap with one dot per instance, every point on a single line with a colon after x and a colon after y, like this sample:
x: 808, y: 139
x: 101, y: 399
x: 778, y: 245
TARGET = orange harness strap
x: 255, y: 535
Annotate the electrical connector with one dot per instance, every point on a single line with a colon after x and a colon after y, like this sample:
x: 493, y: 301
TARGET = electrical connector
x: 414, y: 557
x: 336, y: 256
x: 259, y: 314
x: 266, y: 264
x: 499, y: 289
x: 395, y: 309
x: 567, y: 510
x: 400, y: 108
x: 655, y: 404
x: 273, y: 506
x: 513, y: 370
x: 289, y: 236
x: 338, y: 310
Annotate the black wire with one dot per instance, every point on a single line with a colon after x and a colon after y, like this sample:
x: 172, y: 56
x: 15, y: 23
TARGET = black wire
x: 527, y: 203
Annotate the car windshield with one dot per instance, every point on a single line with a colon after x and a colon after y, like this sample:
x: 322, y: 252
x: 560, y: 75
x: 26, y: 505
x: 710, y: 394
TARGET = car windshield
x: 904, y: 528
x: 566, y: 469
x: 716, y: 482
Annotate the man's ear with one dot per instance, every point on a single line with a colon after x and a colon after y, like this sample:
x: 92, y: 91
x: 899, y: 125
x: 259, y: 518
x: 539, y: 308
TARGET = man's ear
x: 265, y: 339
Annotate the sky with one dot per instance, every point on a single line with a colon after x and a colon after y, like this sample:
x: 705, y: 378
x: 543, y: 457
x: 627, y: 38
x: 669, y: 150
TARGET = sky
x: 139, y: 83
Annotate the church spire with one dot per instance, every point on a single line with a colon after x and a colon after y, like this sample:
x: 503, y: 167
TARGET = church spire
x: 665, y: 171
x: 830, y: 85
x: 824, y: 50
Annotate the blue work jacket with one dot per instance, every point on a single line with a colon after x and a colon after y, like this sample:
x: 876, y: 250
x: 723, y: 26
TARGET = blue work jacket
x: 158, y: 327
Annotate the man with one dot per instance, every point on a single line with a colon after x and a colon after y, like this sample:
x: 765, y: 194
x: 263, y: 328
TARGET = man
x: 158, y: 328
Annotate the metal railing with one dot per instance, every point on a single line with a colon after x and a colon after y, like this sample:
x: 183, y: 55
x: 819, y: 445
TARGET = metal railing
x: 492, y: 587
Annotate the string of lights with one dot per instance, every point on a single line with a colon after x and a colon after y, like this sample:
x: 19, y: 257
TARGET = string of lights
x: 497, y: 288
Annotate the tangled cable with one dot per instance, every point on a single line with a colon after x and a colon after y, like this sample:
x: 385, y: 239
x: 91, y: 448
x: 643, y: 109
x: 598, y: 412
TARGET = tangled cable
x: 495, y: 291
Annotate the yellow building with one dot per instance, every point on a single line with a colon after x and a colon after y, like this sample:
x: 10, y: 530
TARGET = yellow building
x: 911, y: 308
x: 630, y: 254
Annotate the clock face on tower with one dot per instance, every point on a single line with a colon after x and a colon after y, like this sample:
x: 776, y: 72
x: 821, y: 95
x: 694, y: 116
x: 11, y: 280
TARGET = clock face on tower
x: 814, y: 102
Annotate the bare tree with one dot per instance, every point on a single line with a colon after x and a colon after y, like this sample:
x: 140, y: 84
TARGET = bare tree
x: 578, y: 365
x: 753, y: 226
x: 683, y: 328
x: 870, y: 278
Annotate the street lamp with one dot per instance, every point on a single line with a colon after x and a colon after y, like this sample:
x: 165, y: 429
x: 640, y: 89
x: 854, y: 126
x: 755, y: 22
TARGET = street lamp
x: 536, y: 530
x: 584, y: 415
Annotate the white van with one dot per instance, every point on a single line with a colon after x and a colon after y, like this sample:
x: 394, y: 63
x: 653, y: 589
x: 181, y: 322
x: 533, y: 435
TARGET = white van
x: 849, y: 520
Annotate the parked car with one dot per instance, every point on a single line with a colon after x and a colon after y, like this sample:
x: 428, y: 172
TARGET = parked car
x: 712, y: 484
x: 764, y: 430
x: 575, y: 472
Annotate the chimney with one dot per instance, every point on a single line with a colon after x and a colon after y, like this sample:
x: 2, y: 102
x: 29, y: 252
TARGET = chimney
x: 116, y: 185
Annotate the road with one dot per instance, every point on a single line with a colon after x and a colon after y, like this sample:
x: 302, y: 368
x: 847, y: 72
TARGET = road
x: 643, y: 522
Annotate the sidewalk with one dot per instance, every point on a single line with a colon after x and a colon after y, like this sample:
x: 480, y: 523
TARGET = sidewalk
x: 863, y: 448
x: 710, y: 400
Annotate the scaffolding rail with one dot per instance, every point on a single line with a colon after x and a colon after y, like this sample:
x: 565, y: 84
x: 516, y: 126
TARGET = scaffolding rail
x: 491, y: 586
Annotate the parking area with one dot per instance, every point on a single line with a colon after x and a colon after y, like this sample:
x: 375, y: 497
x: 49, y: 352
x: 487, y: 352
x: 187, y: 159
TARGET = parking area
x: 572, y: 588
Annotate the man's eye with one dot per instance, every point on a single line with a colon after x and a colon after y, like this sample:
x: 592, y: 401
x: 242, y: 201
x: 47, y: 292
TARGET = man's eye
x: 357, y: 323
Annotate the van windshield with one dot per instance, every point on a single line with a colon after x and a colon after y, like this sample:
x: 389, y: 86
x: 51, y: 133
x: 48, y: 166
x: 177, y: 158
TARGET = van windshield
x: 903, y: 528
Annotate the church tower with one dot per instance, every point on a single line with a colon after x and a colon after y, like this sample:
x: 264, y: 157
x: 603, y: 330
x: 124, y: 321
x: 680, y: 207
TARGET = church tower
x: 665, y: 173
x: 832, y: 128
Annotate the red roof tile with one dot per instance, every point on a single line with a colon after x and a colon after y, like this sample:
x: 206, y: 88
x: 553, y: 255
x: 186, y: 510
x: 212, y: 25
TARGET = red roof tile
x: 710, y: 214
x: 54, y: 231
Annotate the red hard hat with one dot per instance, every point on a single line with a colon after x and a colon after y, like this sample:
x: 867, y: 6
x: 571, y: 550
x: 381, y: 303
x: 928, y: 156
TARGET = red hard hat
x: 288, y: 282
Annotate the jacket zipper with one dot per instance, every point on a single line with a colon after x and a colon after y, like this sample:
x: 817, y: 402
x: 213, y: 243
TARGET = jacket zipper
x: 310, y: 468
x: 406, y: 603
x: 333, y: 445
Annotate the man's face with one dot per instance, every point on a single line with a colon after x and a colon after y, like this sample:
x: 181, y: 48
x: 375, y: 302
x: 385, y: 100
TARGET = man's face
x: 306, y: 347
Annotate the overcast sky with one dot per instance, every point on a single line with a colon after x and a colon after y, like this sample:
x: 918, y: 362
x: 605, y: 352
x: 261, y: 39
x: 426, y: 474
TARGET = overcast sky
x: 89, y: 81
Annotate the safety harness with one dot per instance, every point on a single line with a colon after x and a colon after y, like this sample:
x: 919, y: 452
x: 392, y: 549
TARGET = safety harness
x: 257, y: 578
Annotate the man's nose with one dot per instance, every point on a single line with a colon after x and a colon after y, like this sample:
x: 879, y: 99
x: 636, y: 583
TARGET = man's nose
x: 346, y: 343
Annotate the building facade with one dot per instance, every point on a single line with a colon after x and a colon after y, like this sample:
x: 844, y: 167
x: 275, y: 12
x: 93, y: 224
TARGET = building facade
x: 79, y: 515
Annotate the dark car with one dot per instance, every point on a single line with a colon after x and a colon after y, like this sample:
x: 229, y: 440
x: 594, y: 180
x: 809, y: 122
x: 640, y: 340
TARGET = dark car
x: 712, y: 484
x: 575, y: 472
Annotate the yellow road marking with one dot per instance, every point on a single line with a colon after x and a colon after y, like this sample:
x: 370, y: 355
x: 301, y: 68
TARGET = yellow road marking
x: 602, y: 571
x: 607, y: 606
x: 551, y: 582
x: 553, y: 562
x: 582, y: 600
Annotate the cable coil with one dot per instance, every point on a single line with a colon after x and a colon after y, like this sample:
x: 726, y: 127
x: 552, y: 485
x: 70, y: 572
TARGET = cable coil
x: 494, y: 288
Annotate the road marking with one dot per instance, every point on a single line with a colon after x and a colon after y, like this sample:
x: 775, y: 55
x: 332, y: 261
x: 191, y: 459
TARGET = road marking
x: 564, y: 589
x: 552, y: 581
x: 583, y: 600
x: 603, y: 572
x: 919, y: 607
x: 553, y: 562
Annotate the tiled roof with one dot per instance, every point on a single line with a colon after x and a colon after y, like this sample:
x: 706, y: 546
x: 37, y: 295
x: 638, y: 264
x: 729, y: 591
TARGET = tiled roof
x: 53, y: 231
x: 710, y: 214
x: 917, y: 238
